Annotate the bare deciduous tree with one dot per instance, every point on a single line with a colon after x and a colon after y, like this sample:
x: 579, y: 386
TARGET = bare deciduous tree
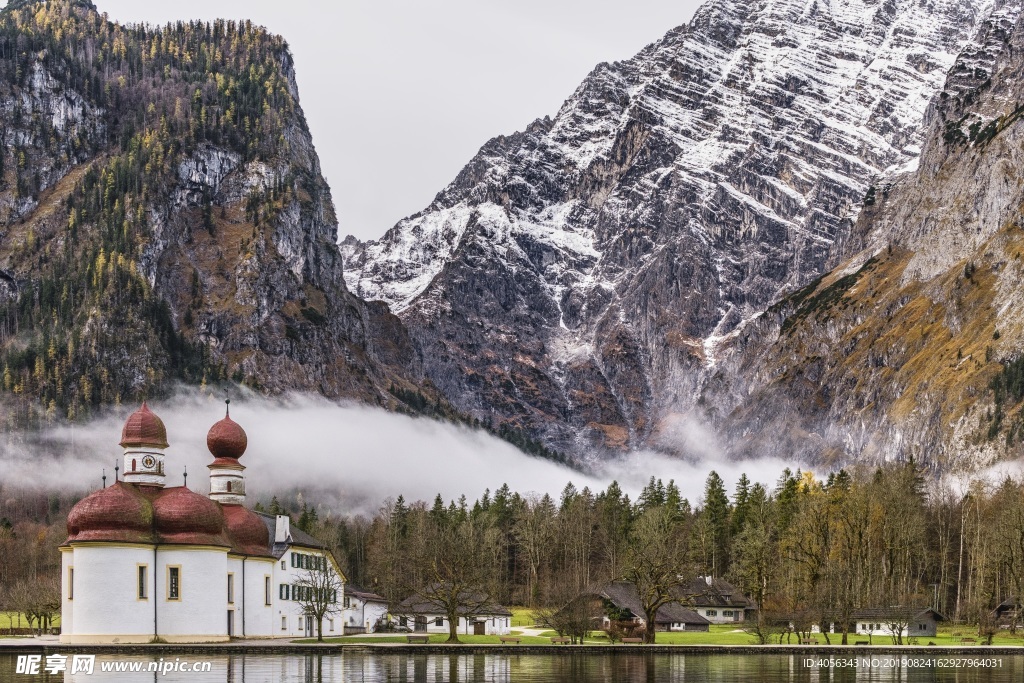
x: 656, y: 558
x: 319, y: 591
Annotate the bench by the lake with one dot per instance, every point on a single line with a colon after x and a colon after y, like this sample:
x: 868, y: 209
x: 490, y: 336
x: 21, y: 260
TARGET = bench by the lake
x: 809, y: 641
x: 965, y: 641
x: 633, y: 640
x: 418, y: 638
x: 510, y: 639
x: 861, y: 642
x: 555, y: 640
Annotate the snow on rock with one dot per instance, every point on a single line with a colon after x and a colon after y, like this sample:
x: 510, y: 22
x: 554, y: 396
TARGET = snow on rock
x: 673, y: 197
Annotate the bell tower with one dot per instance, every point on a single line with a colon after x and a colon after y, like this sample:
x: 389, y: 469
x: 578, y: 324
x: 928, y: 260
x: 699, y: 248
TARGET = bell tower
x: 144, y: 439
x: 227, y: 442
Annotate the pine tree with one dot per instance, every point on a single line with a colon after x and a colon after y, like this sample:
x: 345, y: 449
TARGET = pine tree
x: 716, y: 509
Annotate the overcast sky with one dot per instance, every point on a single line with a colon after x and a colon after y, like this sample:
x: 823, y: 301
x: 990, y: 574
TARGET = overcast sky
x: 400, y: 94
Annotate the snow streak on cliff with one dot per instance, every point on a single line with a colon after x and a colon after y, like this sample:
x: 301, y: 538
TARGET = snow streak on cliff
x: 576, y: 278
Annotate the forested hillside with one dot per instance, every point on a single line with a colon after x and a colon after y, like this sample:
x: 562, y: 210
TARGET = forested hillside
x: 163, y: 217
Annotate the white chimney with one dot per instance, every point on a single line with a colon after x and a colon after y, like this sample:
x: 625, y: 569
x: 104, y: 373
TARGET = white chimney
x: 283, y: 533
x: 707, y: 578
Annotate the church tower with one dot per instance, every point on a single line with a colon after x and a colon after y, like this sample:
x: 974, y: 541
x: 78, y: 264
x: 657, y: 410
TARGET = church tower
x: 144, y: 439
x: 227, y: 442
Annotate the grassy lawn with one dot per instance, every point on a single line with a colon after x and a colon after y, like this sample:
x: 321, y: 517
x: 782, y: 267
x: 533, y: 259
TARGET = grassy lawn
x: 435, y: 638
x: 719, y: 634
x: 8, y: 619
x: 521, y: 616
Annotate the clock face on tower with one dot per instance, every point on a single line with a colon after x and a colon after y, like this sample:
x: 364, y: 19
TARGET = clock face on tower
x: 149, y: 462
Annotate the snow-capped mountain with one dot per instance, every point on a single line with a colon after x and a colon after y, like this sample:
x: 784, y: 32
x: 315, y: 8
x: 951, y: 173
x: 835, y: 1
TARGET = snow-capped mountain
x: 576, y: 279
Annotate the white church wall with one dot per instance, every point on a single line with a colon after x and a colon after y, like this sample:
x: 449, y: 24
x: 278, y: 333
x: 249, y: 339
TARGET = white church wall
x: 106, y: 606
x: 200, y: 614
x: 259, y: 616
x: 67, y: 615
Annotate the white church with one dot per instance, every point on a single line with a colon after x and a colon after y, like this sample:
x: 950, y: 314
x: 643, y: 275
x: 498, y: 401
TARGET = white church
x: 145, y: 562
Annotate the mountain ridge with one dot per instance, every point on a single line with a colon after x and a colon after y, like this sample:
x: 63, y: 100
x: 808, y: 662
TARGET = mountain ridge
x: 577, y: 279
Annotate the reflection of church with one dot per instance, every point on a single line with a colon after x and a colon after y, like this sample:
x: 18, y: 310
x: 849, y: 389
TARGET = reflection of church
x: 146, y: 562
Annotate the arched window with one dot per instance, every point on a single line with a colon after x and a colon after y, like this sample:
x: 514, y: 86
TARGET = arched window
x: 229, y: 487
x: 133, y: 465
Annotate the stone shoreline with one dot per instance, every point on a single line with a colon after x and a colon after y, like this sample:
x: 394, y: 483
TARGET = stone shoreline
x: 289, y: 648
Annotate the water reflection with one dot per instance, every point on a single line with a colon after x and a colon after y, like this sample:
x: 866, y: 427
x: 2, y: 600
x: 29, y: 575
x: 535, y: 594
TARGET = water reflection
x: 626, y: 667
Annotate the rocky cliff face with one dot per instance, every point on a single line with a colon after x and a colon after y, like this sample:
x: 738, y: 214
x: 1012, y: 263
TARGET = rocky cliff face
x: 163, y: 218
x: 585, y: 279
x: 911, y: 347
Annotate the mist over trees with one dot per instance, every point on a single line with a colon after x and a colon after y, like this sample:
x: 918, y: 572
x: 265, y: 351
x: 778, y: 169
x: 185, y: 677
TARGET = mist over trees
x: 809, y: 551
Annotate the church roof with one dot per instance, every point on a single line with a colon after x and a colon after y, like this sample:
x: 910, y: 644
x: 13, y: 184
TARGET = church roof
x: 144, y: 428
x: 129, y: 513
x: 248, y: 534
x: 226, y: 439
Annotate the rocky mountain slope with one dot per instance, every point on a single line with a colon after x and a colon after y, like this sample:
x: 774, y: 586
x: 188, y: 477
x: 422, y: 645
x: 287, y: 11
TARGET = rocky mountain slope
x: 163, y: 218
x: 590, y: 279
x: 913, y: 346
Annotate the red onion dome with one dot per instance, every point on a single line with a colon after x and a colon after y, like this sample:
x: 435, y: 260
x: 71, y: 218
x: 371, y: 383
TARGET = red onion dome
x: 181, y: 516
x: 249, y: 534
x: 144, y: 428
x: 227, y: 439
x: 119, y: 513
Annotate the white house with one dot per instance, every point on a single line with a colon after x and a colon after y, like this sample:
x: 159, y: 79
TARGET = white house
x: 297, y: 553
x: 146, y: 562
x: 478, y: 615
x: 364, y: 610
x: 890, y: 621
x: 717, y: 600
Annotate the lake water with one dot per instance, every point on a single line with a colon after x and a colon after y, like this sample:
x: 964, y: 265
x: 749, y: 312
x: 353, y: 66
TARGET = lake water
x: 590, y: 667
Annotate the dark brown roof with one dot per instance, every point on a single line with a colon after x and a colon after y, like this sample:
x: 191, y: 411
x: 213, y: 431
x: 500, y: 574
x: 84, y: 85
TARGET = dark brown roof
x: 363, y: 594
x: 624, y: 595
x: 714, y: 593
x: 474, y: 603
x: 298, y: 536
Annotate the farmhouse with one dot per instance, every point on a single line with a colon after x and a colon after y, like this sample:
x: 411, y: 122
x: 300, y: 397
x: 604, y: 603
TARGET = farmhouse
x: 908, y: 622
x: 717, y: 600
x: 146, y: 562
x: 364, y: 610
x: 624, y: 598
x: 477, y: 615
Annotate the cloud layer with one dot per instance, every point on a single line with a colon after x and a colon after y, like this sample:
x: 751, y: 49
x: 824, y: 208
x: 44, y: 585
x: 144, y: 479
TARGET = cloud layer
x: 349, y: 458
